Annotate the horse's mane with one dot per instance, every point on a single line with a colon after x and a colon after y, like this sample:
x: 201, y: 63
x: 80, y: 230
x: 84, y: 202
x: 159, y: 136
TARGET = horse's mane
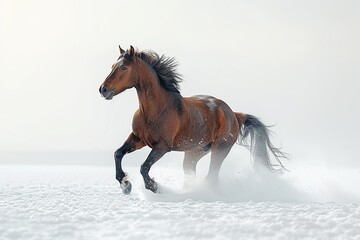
x: 165, y: 68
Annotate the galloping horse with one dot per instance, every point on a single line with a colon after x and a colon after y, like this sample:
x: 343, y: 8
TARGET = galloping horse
x: 166, y: 121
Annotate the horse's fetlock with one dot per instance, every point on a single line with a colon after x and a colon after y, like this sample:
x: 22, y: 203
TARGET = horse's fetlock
x: 121, y: 176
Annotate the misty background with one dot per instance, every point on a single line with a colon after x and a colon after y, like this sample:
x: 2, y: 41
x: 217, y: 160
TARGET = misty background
x: 293, y: 64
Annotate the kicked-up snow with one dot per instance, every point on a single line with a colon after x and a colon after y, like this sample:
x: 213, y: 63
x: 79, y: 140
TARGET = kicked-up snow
x: 86, y: 202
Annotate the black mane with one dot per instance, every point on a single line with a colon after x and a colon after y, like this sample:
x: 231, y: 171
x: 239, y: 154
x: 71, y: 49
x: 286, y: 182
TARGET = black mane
x: 165, y: 68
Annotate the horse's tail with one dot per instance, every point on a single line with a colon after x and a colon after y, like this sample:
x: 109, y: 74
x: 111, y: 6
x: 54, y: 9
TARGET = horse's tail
x: 254, y: 135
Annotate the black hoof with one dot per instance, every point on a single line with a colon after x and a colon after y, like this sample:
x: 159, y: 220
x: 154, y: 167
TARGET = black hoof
x: 126, y: 187
x: 152, y: 186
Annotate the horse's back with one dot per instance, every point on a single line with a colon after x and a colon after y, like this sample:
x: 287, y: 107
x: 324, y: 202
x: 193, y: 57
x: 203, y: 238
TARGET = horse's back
x: 214, y: 105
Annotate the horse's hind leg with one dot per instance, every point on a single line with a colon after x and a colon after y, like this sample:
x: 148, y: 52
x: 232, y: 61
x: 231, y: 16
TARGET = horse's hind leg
x: 131, y: 144
x: 191, y: 158
x: 218, y: 154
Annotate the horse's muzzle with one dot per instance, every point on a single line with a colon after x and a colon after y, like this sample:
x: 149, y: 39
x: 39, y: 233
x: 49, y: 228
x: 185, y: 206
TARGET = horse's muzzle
x: 106, y: 93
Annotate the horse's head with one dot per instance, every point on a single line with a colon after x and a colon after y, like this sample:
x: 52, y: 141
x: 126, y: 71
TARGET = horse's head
x: 122, y: 76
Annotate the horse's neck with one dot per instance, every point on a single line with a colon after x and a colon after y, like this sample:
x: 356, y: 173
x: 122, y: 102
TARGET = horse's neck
x: 153, y: 99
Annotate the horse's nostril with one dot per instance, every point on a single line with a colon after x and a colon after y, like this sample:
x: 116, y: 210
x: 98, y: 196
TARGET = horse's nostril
x: 103, y: 89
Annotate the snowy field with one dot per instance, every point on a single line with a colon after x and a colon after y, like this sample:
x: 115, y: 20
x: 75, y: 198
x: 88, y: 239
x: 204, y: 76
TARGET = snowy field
x: 85, y: 202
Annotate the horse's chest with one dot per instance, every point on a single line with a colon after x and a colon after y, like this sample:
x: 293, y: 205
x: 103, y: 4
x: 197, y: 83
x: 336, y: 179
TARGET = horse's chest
x: 149, y: 134
x: 150, y: 138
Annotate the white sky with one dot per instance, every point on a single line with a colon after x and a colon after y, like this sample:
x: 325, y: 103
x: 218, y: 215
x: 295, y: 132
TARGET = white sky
x: 293, y: 63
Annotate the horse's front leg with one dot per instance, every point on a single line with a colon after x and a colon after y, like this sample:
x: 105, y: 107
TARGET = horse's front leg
x: 154, y: 156
x: 131, y: 144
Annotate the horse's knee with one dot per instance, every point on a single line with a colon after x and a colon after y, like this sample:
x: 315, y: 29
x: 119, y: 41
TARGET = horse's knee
x: 189, y: 170
x: 118, y: 155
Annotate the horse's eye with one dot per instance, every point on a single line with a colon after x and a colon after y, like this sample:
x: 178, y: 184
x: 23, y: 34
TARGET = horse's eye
x: 124, y: 68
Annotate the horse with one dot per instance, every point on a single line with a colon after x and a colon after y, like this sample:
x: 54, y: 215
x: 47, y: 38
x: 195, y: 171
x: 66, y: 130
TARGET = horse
x: 166, y: 121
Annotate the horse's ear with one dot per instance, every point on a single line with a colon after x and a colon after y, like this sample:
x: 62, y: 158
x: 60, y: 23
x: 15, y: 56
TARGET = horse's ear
x: 122, y: 51
x: 132, y: 51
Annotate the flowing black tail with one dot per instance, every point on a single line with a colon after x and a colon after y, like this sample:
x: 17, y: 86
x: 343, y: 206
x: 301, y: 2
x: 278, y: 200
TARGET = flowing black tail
x: 254, y: 135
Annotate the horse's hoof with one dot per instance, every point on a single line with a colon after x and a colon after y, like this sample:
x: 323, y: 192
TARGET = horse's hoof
x: 152, y: 186
x: 126, y: 187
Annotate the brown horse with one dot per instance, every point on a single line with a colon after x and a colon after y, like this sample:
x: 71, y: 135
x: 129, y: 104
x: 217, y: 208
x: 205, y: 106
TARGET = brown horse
x: 166, y: 121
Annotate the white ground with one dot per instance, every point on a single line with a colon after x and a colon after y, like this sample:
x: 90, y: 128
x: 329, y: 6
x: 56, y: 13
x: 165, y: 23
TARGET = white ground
x: 85, y: 202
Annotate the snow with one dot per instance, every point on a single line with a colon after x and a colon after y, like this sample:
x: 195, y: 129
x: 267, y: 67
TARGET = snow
x: 86, y: 202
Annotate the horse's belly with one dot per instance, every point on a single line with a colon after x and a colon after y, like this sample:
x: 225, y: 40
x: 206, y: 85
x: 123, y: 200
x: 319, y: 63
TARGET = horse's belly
x: 191, y: 139
x: 189, y: 145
